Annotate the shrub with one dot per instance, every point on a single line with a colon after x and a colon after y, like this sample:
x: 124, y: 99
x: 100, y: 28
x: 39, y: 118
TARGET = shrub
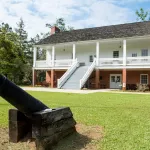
x: 142, y: 87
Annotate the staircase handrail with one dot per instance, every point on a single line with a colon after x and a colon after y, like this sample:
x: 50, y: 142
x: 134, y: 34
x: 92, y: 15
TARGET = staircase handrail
x: 67, y: 74
x: 88, y: 73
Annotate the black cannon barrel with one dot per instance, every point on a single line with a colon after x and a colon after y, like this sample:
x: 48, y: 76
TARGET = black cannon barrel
x: 24, y: 102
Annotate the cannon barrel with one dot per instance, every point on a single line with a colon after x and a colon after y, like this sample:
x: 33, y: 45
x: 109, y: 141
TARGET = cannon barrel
x: 20, y: 99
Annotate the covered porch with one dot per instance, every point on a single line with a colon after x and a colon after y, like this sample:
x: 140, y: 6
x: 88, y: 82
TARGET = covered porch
x: 56, y: 57
x: 126, y: 79
x: 128, y: 53
x: 109, y: 53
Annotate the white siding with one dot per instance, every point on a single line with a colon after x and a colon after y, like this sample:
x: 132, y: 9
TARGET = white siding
x: 106, y: 51
x: 83, y: 52
x: 48, y: 55
x: 136, y: 46
x: 63, y: 53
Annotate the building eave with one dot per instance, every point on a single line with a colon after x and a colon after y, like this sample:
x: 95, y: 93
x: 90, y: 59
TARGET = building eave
x: 92, y: 41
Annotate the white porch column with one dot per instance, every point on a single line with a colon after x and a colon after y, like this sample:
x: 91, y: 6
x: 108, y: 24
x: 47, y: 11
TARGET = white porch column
x: 34, y: 56
x: 74, y: 52
x: 53, y: 55
x: 124, y: 53
x: 48, y: 57
x: 97, y: 53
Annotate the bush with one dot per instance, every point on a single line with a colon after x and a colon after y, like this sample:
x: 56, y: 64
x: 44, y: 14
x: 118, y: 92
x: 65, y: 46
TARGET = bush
x: 142, y: 87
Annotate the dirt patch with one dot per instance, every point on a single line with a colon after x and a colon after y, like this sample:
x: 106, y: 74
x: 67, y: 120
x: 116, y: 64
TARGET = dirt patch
x: 86, y: 138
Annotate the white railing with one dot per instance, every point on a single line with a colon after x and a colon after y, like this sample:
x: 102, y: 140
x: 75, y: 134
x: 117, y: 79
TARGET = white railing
x: 143, y: 60
x: 55, y: 63
x: 87, y: 74
x: 65, y: 62
x: 43, y: 64
x: 110, y: 61
x: 67, y: 74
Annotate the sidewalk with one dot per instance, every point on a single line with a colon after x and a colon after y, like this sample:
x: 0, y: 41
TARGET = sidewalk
x: 64, y: 90
x: 78, y: 91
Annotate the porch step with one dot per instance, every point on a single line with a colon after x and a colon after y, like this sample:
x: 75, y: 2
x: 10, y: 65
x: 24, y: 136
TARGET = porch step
x: 74, y: 81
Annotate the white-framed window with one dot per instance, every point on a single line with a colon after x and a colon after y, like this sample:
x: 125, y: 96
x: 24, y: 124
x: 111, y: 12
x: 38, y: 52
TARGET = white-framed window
x: 134, y: 54
x: 144, y: 52
x: 115, y: 54
x: 144, y: 78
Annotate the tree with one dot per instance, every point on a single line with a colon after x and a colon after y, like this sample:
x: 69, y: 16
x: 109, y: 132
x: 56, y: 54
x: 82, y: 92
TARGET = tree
x: 142, y: 15
x: 22, y: 37
x: 26, y: 51
x: 8, y: 51
x: 60, y: 23
x: 16, y: 53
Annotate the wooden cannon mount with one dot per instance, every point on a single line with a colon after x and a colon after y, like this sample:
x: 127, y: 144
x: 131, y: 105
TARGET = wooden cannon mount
x: 33, y: 119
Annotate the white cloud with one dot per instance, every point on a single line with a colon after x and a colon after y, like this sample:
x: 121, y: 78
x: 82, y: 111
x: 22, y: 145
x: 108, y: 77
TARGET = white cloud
x: 77, y: 13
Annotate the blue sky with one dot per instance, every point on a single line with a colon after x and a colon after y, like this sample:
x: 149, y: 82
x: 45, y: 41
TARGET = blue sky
x: 77, y: 13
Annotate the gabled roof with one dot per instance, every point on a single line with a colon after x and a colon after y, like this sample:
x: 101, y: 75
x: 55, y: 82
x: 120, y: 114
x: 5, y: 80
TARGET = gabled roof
x: 105, y: 32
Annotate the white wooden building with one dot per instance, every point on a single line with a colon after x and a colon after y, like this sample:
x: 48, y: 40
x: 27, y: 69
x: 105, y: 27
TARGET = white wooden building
x: 101, y: 57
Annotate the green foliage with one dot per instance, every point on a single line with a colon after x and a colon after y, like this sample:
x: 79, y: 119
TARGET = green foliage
x: 15, y: 54
x: 16, y: 51
x: 8, y: 49
x: 142, y: 15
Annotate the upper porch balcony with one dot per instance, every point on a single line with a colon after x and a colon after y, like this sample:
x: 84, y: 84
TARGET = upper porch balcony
x: 56, y: 57
x: 130, y: 61
x: 51, y: 64
x: 109, y: 54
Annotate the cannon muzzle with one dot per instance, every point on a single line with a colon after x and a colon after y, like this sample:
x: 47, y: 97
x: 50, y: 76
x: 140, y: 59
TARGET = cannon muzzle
x: 20, y: 99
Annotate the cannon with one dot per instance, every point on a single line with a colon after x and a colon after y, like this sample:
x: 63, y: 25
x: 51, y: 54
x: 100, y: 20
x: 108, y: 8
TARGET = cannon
x: 33, y: 118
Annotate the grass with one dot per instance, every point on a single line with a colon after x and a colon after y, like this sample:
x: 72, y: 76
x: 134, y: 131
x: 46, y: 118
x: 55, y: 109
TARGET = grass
x: 124, y: 117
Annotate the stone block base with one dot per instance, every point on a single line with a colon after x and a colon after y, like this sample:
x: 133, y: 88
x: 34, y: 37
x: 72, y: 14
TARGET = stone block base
x: 46, y: 127
x: 19, y: 126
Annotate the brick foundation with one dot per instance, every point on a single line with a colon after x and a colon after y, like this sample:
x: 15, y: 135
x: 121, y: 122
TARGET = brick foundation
x: 105, y: 78
x: 52, y: 76
x: 124, y: 79
x: 100, y: 79
x: 48, y: 77
x: 128, y: 77
x: 133, y: 77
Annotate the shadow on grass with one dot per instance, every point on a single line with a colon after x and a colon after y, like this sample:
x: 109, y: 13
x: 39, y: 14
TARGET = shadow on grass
x: 75, y: 141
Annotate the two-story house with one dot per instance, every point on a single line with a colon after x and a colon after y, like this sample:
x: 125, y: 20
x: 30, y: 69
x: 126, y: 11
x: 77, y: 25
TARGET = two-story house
x: 100, y: 57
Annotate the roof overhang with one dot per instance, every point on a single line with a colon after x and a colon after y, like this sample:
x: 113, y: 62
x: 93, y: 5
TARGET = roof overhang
x: 45, y: 46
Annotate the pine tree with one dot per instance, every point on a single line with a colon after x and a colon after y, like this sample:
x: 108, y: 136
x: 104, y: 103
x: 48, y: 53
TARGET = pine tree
x: 142, y: 15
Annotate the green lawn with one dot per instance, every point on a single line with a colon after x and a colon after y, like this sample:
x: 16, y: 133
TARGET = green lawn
x: 124, y: 117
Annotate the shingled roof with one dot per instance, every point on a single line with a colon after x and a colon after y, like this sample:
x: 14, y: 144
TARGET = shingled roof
x: 105, y: 32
